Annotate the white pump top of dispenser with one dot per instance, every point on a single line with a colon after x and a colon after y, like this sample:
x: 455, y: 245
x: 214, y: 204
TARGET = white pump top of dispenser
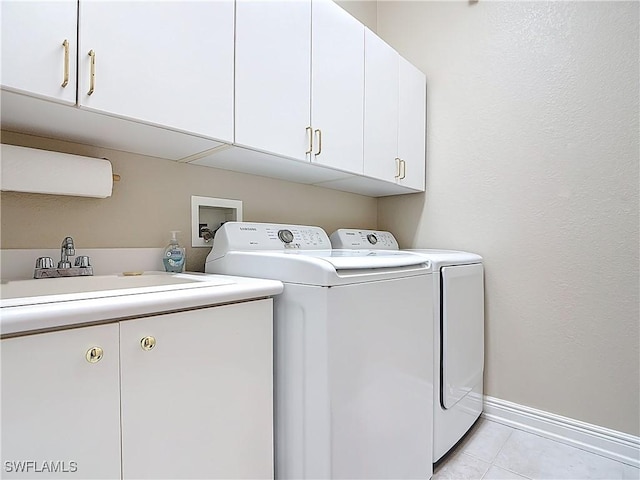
x: 174, y: 237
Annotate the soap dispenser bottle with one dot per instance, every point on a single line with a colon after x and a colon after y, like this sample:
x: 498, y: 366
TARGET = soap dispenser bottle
x: 174, y: 255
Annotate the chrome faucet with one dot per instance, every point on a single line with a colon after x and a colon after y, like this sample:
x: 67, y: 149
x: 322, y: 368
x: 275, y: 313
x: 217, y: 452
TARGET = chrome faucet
x: 45, y: 268
x: 66, y: 250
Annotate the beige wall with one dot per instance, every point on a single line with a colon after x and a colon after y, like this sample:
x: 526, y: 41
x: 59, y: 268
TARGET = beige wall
x: 533, y: 163
x: 154, y: 197
x: 365, y: 11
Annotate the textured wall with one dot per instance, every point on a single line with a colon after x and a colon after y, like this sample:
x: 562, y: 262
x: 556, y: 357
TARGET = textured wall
x: 533, y: 162
x: 154, y: 197
x: 365, y: 11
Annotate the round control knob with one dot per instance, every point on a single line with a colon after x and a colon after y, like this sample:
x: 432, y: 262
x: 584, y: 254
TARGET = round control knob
x: 372, y: 239
x: 285, y: 235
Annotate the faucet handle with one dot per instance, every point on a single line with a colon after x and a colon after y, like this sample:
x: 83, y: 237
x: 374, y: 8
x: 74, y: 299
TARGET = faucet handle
x: 83, y: 261
x: 44, y: 262
x: 206, y: 234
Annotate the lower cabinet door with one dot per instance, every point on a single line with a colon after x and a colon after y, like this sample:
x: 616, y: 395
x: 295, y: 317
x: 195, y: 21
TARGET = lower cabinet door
x: 197, y: 393
x: 61, y: 404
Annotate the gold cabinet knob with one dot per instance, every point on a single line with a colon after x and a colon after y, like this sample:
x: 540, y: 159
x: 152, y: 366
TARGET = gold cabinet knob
x: 94, y: 354
x: 147, y: 343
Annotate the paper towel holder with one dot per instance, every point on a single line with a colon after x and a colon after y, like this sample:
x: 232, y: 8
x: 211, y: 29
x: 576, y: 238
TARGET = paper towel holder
x: 116, y: 177
x: 32, y: 170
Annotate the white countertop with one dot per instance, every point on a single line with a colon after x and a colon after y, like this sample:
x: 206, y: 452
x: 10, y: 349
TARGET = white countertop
x: 54, y: 303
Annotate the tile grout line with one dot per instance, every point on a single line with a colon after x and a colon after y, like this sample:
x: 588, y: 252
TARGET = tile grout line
x: 492, y: 463
x: 504, y: 468
x: 486, y: 471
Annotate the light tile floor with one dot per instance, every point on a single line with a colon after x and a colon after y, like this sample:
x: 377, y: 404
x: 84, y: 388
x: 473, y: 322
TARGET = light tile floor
x: 492, y: 451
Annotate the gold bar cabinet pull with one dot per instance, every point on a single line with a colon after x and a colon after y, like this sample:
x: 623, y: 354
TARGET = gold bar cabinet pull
x: 403, y: 169
x: 92, y: 78
x: 319, y: 132
x: 310, y: 134
x: 65, y: 79
x: 397, y: 175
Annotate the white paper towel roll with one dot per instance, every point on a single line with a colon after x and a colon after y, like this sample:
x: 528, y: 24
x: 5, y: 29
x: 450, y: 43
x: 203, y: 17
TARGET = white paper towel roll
x: 42, y: 171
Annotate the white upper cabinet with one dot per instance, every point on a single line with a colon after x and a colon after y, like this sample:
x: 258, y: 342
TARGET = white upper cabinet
x: 337, y: 87
x: 282, y: 80
x: 412, y: 128
x: 300, y: 81
x: 164, y: 63
x: 380, y: 109
x: 394, y: 116
x: 39, y: 48
x: 273, y: 76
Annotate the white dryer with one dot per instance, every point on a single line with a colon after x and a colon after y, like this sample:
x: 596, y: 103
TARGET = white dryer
x: 458, y: 290
x: 353, y: 351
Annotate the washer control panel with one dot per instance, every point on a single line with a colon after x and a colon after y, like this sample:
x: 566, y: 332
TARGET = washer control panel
x: 347, y: 238
x: 242, y: 236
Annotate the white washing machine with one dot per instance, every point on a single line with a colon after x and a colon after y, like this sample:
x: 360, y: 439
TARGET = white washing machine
x: 353, y: 351
x: 458, y: 290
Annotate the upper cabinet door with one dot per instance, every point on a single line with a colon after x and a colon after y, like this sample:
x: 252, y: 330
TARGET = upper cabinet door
x: 165, y: 63
x: 273, y: 76
x: 337, y: 87
x: 380, y: 109
x: 39, y: 48
x: 412, y: 125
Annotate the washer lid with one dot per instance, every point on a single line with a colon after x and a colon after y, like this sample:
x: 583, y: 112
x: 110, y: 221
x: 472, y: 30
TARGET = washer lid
x: 441, y: 258
x: 319, y: 268
x: 362, y: 259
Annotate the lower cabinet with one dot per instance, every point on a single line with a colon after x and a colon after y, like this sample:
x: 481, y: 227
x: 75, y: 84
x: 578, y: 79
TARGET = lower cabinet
x: 180, y: 395
x: 199, y: 403
x: 61, y: 413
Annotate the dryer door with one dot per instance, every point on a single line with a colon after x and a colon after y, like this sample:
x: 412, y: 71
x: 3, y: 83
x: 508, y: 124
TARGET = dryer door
x: 462, y: 327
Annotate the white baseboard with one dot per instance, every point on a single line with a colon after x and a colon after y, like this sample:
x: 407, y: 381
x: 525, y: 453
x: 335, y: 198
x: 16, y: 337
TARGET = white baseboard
x: 592, y: 438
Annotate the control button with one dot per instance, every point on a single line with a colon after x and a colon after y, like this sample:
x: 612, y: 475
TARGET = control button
x: 372, y: 239
x: 285, y: 235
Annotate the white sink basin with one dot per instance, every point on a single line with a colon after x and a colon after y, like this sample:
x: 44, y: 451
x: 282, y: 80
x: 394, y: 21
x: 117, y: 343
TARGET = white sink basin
x: 48, y: 290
